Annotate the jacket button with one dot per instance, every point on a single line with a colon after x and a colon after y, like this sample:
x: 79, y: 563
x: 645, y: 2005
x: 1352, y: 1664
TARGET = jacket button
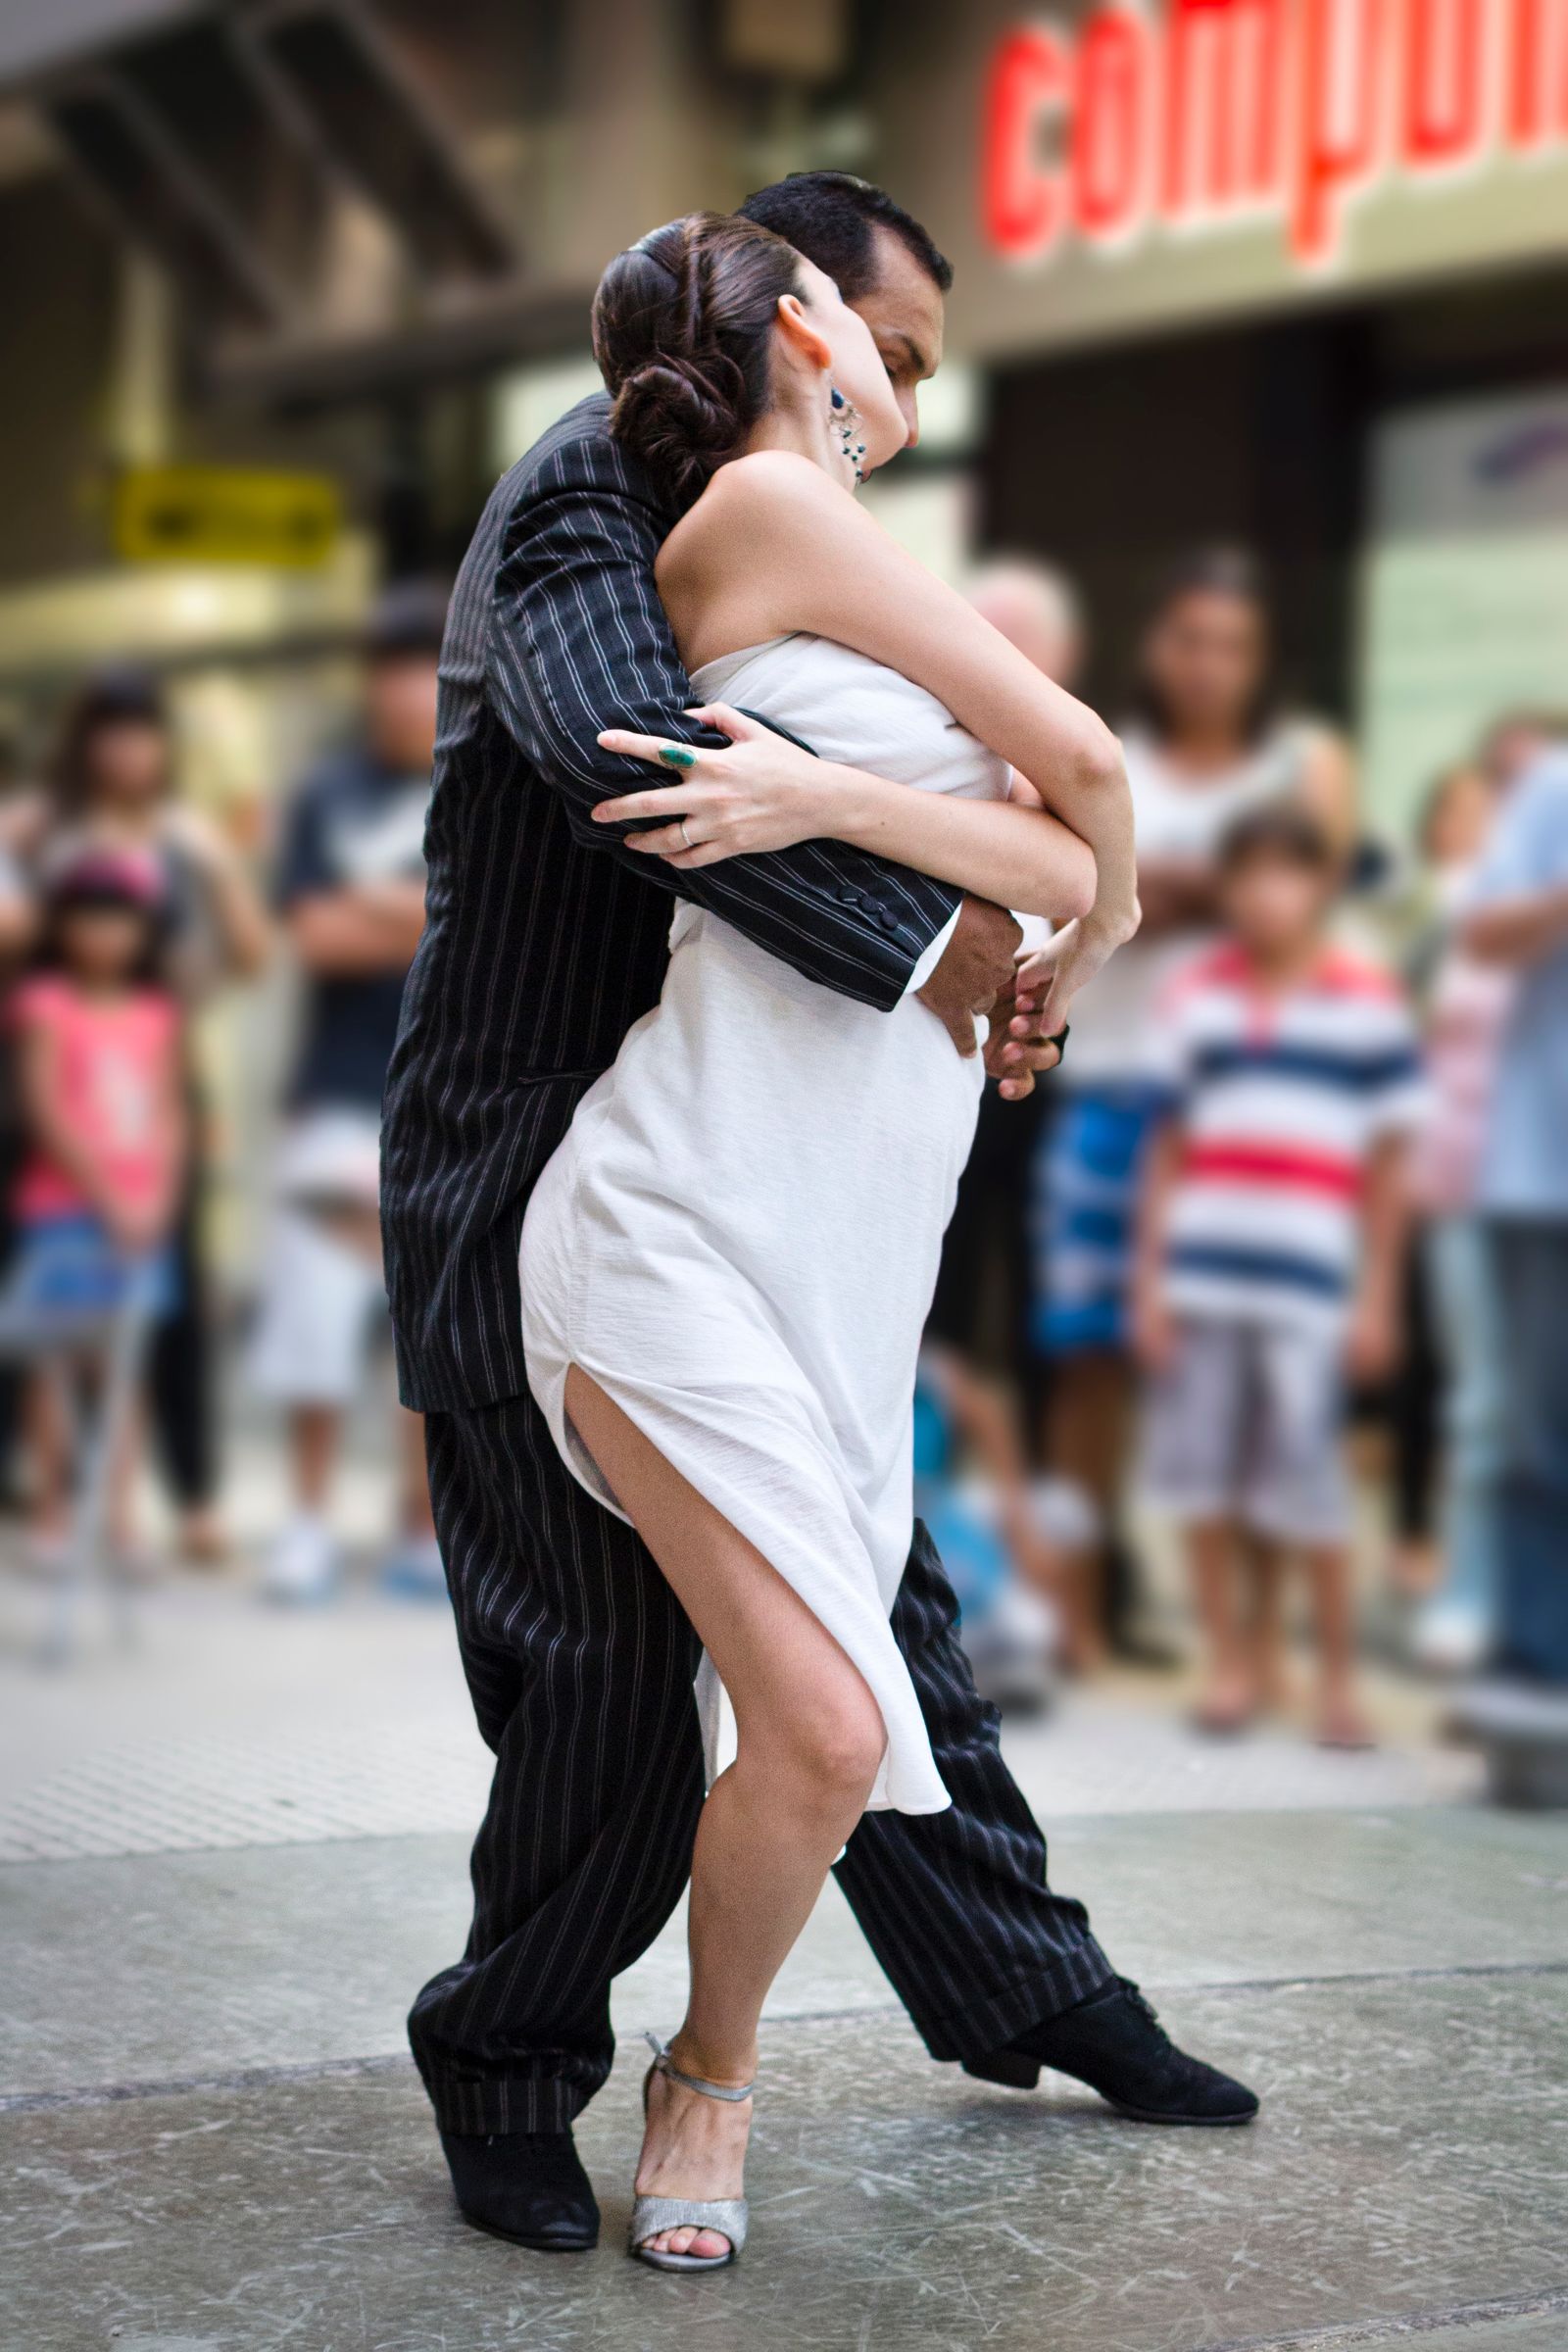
x: 849, y: 894
x: 887, y: 918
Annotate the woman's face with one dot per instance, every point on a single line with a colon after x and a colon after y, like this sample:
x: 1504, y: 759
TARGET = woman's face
x: 857, y: 367
x: 127, y: 764
x: 1205, y: 659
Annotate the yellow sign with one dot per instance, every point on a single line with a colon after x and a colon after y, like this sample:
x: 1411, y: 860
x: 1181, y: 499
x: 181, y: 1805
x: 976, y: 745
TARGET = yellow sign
x: 224, y: 515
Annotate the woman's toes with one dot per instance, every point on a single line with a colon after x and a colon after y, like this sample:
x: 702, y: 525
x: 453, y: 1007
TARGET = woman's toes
x: 705, y: 2243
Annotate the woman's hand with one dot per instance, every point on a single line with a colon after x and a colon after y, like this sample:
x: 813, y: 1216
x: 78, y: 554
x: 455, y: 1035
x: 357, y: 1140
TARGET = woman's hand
x: 762, y: 793
x: 1055, y: 973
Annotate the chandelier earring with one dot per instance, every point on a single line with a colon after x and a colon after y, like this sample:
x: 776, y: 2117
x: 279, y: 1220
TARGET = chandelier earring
x: 846, y: 422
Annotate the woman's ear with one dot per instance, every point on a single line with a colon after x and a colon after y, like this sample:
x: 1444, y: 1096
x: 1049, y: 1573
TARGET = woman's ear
x: 804, y: 339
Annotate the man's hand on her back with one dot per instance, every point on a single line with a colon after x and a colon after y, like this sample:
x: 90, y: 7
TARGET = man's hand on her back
x: 976, y: 966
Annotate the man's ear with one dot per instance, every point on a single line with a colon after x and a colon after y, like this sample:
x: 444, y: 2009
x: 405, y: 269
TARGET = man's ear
x: 794, y: 322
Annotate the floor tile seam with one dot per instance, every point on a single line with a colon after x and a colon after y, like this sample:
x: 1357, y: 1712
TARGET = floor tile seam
x: 325, y: 2069
x: 13, y: 1826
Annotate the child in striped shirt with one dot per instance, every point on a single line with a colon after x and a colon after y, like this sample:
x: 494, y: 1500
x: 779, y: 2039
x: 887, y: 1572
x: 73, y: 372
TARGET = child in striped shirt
x: 1270, y: 1240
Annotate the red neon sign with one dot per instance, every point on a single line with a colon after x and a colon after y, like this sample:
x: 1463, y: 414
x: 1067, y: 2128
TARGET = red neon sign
x: 1107, y: 125
x: 1224, y: 109
x: 1028, y: 86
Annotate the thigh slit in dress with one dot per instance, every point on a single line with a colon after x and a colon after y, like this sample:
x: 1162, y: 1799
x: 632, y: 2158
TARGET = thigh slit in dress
x: 738, y: 1237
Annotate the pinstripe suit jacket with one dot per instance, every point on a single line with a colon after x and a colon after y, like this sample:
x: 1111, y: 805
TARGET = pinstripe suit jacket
x: 545, y: 938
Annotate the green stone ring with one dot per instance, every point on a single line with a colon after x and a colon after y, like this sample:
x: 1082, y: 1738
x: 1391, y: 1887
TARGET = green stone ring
x: 676, y: 755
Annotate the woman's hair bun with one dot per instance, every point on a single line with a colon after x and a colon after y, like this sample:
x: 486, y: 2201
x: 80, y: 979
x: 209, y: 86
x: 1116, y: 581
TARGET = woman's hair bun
x: 683, y: 324
x: 683, y: 417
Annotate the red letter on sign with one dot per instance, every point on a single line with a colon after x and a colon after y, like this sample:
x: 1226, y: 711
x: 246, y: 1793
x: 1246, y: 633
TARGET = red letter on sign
x: 1339, y: 79
x: 1108, y: 123
x: 1538, y: 84
x: 1022, y: 198
x: 1222, y: 103
x: 1443, y: 92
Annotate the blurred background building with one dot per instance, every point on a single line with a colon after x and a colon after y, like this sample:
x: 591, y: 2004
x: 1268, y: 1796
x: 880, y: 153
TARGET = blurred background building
x: 284, y: 285
x: 288, y: 283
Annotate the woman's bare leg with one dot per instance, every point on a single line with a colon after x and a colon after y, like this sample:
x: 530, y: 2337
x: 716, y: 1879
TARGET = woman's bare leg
x: 810, y: 1741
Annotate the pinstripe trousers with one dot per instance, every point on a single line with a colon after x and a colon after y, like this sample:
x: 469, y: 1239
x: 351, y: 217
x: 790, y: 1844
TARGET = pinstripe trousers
x: 580, y: 1662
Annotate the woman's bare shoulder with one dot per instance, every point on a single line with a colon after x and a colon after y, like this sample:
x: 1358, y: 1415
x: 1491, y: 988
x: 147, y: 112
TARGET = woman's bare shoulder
x: 770, y: 492
x: 746, y: 561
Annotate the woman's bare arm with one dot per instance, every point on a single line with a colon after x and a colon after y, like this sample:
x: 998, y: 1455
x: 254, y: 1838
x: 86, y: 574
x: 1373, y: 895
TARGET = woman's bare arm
x: 244, y: 930
x: 773, y: 545
x: 1329, y: 788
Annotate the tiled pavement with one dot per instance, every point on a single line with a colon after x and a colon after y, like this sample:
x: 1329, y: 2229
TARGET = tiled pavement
x: 236, y: 1856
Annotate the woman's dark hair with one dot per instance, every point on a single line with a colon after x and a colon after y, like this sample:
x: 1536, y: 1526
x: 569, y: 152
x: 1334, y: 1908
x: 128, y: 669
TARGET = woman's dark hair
x: 109, y: 698
x: 832, y: 218
x: 1230, y: 571
x: 683, y: 324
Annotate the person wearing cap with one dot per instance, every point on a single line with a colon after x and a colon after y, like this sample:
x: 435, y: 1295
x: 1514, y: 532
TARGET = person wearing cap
x: 351, y: 892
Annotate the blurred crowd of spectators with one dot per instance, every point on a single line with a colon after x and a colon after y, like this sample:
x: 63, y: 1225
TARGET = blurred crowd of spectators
x: 1305, y: 1165
x: 123, y: 912
x: 1304, y: 1172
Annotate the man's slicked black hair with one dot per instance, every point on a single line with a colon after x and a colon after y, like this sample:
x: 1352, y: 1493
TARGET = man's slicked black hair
x: 831, y: 216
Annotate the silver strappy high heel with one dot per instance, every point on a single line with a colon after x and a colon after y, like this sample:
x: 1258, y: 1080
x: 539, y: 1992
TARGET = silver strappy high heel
x: 651, y: 2216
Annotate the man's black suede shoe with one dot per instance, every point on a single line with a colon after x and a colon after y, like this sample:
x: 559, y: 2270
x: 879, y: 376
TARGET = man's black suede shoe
x: 527, y: 2185
x: 1115, y: 2042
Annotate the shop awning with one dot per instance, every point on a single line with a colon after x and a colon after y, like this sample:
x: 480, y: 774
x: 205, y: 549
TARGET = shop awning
x: 280, y: 161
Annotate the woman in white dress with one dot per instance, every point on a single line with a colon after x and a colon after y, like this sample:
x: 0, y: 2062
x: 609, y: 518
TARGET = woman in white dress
x: 726, y: 1265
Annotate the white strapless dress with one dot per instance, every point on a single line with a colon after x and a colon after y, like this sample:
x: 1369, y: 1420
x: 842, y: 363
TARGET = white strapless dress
x: 738, y: 1237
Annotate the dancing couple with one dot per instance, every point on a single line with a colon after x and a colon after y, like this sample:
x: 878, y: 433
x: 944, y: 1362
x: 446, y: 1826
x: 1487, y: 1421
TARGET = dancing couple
x: 674, y: 1458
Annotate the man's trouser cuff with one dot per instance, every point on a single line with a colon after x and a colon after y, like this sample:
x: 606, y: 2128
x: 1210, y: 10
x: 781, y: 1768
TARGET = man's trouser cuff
x: 476, y: 2104
x: 988, y: 2024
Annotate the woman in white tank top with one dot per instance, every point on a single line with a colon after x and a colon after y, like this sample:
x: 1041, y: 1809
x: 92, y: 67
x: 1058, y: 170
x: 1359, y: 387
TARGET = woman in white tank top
x: 726, y: 1265
x: 1204, y: 744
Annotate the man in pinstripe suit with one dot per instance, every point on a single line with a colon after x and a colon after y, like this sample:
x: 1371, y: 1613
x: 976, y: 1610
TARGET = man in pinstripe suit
x: 545, y: 940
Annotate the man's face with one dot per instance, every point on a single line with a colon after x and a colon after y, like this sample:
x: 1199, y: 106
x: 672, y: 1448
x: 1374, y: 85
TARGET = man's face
x: 903, y: 309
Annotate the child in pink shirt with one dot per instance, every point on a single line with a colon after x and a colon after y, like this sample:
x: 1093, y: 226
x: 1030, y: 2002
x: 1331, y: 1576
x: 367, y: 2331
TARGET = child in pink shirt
x: 99, y: 1063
